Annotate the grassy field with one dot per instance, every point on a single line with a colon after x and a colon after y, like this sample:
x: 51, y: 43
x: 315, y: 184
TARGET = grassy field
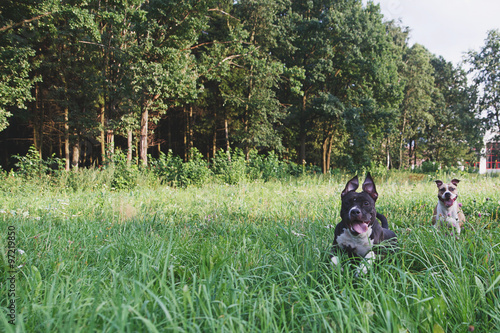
x: 245, y: 258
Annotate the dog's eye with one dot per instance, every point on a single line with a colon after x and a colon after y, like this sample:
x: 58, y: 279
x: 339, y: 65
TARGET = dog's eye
x: 451, y: 189
x: 441, y: 190
x: 366, y: 203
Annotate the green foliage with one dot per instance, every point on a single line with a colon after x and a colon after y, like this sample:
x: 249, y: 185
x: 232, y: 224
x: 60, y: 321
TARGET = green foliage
x: 322, y: 82
x: 417, y: 74
x: 195, y: 171
x: 271, y: 167
x: 233, y: 168
x: 171, y: 170
x: 15, y: 83
x: 168, y: 168
x: 33, y: 166
x: 378, y: 171
x: 125, y: 174
x: 486, y: 69
x: 429, y: 167
x: 229, y: 167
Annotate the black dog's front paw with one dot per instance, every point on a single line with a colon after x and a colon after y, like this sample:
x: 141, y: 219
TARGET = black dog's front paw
x: 336, y: 262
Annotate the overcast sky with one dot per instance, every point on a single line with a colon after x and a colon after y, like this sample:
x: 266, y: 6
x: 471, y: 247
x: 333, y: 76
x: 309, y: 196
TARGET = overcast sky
x: 445, y: 27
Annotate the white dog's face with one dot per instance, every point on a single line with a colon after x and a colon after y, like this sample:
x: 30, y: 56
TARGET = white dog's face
x: 447, y: 193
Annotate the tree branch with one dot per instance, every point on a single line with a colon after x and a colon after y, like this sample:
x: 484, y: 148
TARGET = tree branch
x: 222, y: 12
x: 7, y: 27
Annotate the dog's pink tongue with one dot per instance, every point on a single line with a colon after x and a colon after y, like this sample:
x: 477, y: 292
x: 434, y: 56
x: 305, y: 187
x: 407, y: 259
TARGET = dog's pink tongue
x: 449, y: 203
x: 360, y: 228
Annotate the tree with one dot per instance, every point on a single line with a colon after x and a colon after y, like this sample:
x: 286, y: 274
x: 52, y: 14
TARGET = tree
x: 250, y: 89
x: 486, y: 69
x: 165, y: 70
x: 116, y: 22
x: 419, y: 89
x: 16, y: 56
x: 456, y: 134
x: 350, y: 65
x: 72, y: 78
x: 15, y: 81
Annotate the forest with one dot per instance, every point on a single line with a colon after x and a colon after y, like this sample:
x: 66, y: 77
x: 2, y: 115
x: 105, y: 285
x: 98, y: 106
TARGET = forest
x: 321, y: 82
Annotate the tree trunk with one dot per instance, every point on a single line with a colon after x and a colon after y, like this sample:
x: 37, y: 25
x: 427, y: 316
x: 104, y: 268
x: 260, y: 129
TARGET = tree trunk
x: 214, y: 141
x: 388, y: 153
x: 303, y: 134
x: 103, y: 134
x: 184, y: 137
x: 191, y: 134
x: 327, y: 150
x: 60, y: 144
x: 66, y: 138
x: 35, y: 137
x: 415, y: 153
x: 329, y: 153
x: 143, y: 145
x: 410, y: 154
x: 110, y: 143
x: 401, y: 143
x: 323, y: 160
x: 226, y: 134
x: 76, y: 155
x: 214, y: 136
x: 38, y: 124
x: 129, y: 146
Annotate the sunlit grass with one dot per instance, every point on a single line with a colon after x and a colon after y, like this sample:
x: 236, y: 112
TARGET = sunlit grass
x: 248, y: 257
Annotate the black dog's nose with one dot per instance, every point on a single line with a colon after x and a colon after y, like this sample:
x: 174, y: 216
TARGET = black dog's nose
x: 355, y: 212
x: 447, y: 195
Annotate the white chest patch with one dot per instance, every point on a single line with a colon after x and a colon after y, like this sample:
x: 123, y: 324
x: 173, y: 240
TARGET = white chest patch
x: 447, y: 214
x: 361, y: 243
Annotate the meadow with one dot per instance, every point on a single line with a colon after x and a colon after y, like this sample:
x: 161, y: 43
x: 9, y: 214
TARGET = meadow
x: 249, y: 257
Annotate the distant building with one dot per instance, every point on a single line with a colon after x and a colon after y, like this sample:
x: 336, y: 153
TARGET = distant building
x: 490, y: 159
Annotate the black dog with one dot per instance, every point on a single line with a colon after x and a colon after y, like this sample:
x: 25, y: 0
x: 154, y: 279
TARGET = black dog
x: 359, y: 229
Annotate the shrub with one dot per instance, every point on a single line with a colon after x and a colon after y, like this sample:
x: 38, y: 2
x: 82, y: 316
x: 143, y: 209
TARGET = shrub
x: 229, y: 167
x: 32, y: 165
x: 195, y: 171
x: 429, y: 167
x: 272, y: 167
x: 168, y: 168
x: 377, y: 170
x: 171, y: 170
x: 124, y: 175
x: 254, y: 165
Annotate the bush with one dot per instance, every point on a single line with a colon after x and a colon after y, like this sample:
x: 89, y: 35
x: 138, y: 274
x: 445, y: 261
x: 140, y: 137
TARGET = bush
x: 32, y: 165
x: 195, y: 171
x: 272, y: 168
x: 429, y: 167
x: 377, y: 170
x: 168, y: 168
x: 124, y: 174
x: 229, y: 167
x: 172, y: 171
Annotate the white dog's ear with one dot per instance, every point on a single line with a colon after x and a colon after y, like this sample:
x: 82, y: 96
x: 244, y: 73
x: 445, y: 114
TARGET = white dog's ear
x: 439, y: 183
x: 351, y: 185
x: 455, y: 181
x: 369, y: 187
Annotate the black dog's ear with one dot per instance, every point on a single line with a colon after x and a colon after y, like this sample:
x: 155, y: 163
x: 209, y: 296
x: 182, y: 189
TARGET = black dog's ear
x: 351, y: 185
x: 439, y: 183
x: 455, y: 181
x: 369, y: 187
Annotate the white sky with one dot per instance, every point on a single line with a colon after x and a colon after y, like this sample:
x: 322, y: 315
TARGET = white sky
x: 448, y: 28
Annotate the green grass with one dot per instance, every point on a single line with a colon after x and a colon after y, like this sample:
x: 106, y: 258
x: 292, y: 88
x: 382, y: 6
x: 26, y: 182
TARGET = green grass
x: 245, y: 258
